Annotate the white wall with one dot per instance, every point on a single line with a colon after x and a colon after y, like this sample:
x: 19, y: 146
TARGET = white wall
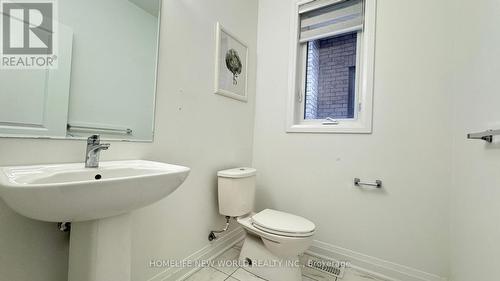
x: 311, y: 175
x: 30, y: 250
x: 475, y: 193
x: 194, y: 127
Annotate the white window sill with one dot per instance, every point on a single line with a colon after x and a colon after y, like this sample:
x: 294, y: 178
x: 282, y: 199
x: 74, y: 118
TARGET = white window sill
x: 344, y: 127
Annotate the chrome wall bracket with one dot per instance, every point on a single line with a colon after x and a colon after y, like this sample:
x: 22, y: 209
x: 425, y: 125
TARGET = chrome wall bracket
x: 487, y: 136
x: 64, y: 226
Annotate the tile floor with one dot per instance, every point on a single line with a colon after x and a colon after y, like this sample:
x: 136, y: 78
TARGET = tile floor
x: 217, y: 273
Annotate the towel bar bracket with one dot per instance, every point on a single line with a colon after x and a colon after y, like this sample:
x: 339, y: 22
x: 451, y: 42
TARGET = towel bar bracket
x: 487, y: 136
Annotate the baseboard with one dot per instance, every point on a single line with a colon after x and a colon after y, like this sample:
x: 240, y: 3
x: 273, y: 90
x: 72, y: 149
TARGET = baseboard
x: 371, y: 265
x: 208, y: 252
x: 383, y: 269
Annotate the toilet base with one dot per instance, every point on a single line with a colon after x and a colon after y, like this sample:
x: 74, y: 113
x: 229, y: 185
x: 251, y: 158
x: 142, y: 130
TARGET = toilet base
x: 261, y: 262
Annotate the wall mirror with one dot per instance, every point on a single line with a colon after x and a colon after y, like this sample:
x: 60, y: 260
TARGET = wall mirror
x: 103, y: 80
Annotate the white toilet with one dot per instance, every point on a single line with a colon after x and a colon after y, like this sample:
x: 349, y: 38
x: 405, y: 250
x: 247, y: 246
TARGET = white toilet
x: 274, y: 239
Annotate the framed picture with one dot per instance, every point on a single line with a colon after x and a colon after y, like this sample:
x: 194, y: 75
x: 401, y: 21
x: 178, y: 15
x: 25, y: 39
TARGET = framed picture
x: 231, y: 65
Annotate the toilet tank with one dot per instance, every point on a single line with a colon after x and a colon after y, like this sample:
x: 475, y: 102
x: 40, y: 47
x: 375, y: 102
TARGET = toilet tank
x: 236, y: 191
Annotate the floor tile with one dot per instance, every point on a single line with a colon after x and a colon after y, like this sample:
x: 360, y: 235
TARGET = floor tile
x: 227, y: 262
x: 303, y: 258
x: 243, y: 275
x: 224, y: 270
x: 354, y: 275
x: 208, y: 274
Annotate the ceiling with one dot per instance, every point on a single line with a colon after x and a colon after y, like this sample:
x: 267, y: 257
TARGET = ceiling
x: 150, y: 6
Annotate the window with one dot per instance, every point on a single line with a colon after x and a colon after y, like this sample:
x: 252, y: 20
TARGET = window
x: 333, y: 51
x: 331, y: 77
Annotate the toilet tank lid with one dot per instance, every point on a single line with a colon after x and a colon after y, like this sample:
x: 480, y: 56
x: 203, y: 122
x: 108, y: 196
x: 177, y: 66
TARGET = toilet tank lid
x: 242, y: 172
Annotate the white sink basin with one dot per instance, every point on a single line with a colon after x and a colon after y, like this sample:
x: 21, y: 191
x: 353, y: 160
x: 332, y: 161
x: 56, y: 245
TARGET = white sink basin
x: 72, y: 193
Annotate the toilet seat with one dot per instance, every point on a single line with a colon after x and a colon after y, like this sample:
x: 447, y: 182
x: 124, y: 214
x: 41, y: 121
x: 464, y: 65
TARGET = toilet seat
x: 283, y: 224
x: 284, y: 234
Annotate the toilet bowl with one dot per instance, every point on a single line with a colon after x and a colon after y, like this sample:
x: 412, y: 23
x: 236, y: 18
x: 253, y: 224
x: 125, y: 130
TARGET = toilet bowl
x: 274, y: 239
x: 273, y: 243
x: 285, y: 235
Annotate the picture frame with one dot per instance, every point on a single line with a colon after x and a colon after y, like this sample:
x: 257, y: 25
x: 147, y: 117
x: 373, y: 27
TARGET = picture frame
x: 231, y: 65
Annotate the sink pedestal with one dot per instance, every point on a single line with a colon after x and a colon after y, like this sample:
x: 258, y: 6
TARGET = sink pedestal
x: 100, y: 250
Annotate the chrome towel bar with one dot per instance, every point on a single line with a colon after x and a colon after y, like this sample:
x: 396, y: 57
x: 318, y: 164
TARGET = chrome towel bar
x: 377, y: 184
x: 486, y: 135
x: 90, y: 129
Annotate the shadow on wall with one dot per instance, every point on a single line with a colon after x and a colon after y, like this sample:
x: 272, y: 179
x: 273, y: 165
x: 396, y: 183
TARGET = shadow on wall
x: 27, y: 245
x: 493, y: 146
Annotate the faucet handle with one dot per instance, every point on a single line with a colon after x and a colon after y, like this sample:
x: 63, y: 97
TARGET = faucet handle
x: 94, y: 139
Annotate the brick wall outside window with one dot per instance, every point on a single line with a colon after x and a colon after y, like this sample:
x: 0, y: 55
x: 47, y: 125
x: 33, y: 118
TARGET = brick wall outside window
x: 330, y: 77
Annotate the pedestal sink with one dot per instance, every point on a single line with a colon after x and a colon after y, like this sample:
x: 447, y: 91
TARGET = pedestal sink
x: 96, y: 201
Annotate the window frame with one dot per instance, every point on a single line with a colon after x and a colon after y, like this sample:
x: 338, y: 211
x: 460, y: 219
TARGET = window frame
x: 362, y: 123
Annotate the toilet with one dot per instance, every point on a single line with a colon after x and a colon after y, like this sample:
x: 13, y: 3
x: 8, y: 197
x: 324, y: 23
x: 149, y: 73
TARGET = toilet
x: 274, y: 239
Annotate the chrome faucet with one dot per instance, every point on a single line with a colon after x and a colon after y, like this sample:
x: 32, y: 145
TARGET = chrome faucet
x: 94, y: 148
